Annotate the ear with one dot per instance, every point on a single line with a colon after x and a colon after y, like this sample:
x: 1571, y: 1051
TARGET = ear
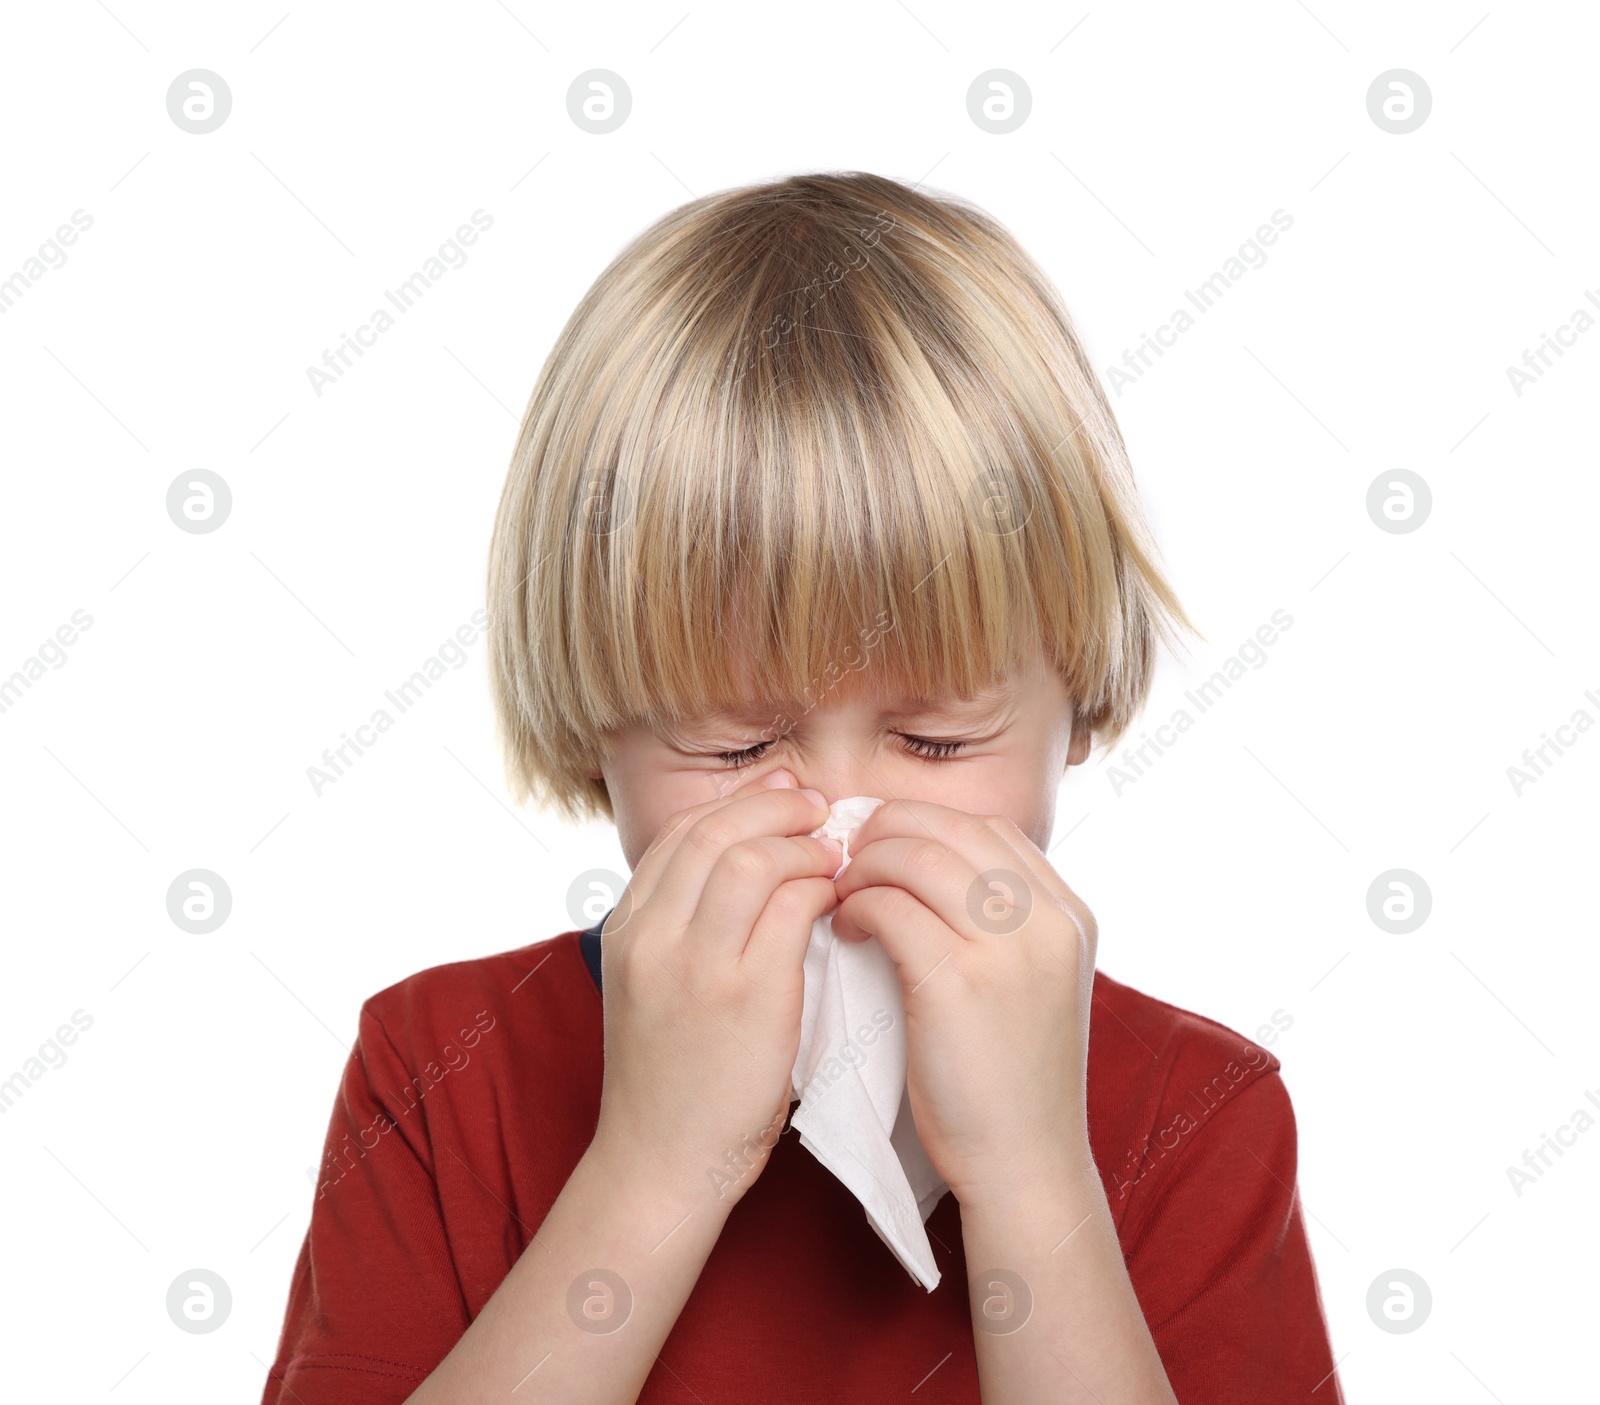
x: 1078, y: 748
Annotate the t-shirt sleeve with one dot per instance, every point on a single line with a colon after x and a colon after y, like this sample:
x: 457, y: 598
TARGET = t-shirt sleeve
x: 375, y: 1303
x: 1221, y: 1265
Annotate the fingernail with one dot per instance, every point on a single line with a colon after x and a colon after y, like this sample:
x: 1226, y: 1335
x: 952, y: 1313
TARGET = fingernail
x: 815, y: 796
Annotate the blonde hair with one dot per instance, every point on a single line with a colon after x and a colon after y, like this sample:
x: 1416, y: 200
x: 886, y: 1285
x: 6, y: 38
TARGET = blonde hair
x: 794, y: 430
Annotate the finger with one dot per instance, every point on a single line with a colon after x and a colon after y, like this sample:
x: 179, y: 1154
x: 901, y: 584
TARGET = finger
x: 918, y: 942
x: 1038, y: 865
x: 779, y: 939
x: 956, y: 863
x: 702, y: 844
x: 922, y: 819
x: 961, y: 832
x: 647, y: 872
x: 745, y: 883
x: 653, y: 863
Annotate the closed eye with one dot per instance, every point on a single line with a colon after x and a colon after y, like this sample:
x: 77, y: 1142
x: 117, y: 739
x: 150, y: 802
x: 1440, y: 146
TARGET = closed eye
x: 917, y: 746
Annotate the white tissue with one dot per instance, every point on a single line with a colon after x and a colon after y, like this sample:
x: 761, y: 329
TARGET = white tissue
x: 855, y: 1114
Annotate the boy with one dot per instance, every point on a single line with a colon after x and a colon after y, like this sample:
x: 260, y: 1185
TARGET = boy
x: 817, y: 496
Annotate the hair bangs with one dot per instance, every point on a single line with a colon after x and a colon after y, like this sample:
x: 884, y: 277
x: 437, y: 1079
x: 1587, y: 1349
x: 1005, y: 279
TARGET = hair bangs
x: 798, y: 439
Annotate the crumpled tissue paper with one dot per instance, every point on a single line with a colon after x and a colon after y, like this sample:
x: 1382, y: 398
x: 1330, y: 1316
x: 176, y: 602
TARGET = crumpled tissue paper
x: 850, y: 1076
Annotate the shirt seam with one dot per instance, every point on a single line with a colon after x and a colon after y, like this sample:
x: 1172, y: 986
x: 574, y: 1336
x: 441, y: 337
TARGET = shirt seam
x: 310, y: 1363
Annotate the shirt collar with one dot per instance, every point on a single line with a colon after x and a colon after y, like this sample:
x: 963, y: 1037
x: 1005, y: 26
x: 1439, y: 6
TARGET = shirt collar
x: 589, y: 942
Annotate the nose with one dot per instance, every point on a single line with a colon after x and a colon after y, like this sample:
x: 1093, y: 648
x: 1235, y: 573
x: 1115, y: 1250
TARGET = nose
x: 837, y: 775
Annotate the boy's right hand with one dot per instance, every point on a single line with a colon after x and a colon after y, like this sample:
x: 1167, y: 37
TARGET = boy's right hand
x: 703, y: 983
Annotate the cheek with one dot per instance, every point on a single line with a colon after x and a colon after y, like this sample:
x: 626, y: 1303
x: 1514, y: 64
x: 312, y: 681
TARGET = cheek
x: 643, y: 805
x: 1024, y: 795
x: 992, y: 786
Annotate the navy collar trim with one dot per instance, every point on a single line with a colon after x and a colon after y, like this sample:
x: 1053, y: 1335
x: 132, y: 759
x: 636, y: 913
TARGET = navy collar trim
x: 589, y: 943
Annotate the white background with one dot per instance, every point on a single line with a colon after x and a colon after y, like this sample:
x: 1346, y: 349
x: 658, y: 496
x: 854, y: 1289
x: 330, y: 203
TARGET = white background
x: 1230, y: 879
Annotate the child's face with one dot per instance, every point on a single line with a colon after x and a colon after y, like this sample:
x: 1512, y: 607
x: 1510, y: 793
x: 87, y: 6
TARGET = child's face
x: 1016, y: 745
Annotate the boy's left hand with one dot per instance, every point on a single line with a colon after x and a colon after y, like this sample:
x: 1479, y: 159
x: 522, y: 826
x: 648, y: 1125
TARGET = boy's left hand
x: 996, y: 960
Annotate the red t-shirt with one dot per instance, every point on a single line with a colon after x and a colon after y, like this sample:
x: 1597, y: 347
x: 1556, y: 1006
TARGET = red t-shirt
x: 474, y: 1089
